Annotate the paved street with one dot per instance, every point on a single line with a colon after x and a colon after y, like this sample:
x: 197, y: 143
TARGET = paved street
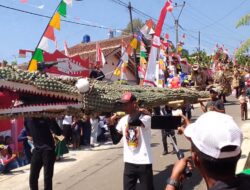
x: 102, y: 167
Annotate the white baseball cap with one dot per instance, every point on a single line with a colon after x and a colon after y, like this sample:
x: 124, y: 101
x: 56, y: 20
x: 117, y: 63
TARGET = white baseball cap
x: 212, y: 131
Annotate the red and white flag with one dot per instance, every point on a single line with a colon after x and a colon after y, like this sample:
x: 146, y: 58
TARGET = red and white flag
x: 66, y: 52
x: 150, y: 76
x: 100, y: 59
x: 141, y: 72
x: 22, y: 53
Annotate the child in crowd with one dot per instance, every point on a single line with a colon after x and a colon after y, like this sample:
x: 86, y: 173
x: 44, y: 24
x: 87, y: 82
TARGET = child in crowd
x: 61, y: 147
x: 243, y: 105
x: 77, y: 132
x: 7, y: 160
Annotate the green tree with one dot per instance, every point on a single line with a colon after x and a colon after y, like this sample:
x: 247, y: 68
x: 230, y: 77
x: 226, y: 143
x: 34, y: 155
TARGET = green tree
x: 243, y: 60
x: 184, y: 53
x: 200, y: 57
x: 13, y: 63
x: 244, y: 21
x: 5, y: 63
x: 137, y: 25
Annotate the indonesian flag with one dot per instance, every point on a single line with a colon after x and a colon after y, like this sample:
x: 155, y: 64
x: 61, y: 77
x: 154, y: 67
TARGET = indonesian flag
x: 141, y: 72
x: 150, y: 76
x: 124, y: 71
x: 22, y: 53
x: 100, y: 59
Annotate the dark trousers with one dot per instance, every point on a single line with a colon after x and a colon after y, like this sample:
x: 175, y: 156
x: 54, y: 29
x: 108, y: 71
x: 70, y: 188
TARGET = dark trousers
x: 188, y: 114
x: 45, y: 158
x: 237, y: 89
x: 133, y: 172
x: 165, y: 134
x: 67, y: 133
x: 243, y: 108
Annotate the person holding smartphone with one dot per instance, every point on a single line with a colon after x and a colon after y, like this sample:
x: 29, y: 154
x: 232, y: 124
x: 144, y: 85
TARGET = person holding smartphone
x: 135, y: 128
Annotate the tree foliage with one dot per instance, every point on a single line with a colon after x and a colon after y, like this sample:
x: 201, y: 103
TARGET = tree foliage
x: 184, y: 53
x: 137, y: 25
x: 243, y: 60
x: 200, y: 57
x: 243, y: 49
x: 245, y: 20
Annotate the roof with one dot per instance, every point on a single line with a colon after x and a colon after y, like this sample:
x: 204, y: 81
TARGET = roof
x: 88, y: 50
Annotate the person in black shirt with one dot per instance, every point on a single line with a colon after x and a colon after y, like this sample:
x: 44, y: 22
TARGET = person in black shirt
x: 43, y: 154
x: 96, y: 73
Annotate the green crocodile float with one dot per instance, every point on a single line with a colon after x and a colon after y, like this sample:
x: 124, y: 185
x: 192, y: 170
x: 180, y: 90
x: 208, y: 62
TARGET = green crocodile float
x: 44, y: 94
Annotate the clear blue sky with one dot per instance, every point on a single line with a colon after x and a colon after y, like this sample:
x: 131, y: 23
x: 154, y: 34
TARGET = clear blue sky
x: 215, y: 19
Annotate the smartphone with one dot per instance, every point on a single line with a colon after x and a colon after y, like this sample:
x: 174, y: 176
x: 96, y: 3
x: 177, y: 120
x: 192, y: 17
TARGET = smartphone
x: 165, y: 122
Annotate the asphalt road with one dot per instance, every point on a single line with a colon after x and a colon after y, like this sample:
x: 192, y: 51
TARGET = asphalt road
x: 103, y: 170
x: 102, y: 167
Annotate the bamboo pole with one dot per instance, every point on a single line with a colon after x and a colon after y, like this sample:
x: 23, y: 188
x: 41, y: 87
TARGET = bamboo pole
x: 44, y: 32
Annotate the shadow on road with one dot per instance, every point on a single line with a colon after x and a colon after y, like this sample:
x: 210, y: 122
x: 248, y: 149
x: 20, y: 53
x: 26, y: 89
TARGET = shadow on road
x: 65, y: 159
x: 154, y: 144
x: 230, y: 103
x: 161, y: 177
x: 106, y: 148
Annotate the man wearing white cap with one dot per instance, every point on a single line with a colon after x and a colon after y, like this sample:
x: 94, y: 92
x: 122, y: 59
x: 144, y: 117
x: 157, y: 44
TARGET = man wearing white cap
x: 215, y: 150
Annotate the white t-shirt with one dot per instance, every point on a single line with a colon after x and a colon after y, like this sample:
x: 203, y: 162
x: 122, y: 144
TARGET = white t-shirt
x: 67, y: 120
x: 136, y: 150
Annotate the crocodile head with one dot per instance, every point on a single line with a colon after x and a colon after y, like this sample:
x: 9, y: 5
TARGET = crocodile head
x: 25, y: 93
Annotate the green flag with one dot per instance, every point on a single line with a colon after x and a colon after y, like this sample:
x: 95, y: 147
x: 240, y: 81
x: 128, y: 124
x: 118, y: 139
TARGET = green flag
x: 38, y: 55
x: 143, y: 54
x: 62, y: 9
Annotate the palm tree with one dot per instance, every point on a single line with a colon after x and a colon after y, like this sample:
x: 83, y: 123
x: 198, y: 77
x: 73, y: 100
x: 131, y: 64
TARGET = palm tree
x: 245, y: 20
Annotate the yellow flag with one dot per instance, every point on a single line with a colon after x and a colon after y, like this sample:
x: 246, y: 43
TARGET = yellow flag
x: 33, y: 65
x: 117, y: 72
x: 133, y: 43
x: 162, y: 65
x: 179, y: 48
x: 143, y: 60
x: 55, y: 21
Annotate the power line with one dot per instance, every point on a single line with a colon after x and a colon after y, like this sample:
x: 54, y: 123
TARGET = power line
x: 226, y: 15
x: 67, y: 21
x: 223, y: 27
x: 137, y: 11
x: 176, y: 24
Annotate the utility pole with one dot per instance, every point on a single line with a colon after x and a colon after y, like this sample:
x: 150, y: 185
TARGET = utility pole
x: 132, y: 31
x: 176, y: 24
x: 199, y: 41
x: 199, y: 46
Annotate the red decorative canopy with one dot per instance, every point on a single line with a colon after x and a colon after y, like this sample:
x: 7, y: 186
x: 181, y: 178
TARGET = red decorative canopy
x: 71, y: 66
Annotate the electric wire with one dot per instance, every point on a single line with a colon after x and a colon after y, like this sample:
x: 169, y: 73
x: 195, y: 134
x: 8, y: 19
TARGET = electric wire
x: 45, y: 16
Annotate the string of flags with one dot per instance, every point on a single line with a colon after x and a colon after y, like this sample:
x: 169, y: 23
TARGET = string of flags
x: 151, y: 73
x: 100, y: 59
x: 151, y: 68
x: 55, y: 23
x: 127, y: 50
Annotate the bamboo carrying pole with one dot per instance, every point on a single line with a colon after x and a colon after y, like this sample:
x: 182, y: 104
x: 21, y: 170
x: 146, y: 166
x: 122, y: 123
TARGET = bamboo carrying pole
x: 203, y: 99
